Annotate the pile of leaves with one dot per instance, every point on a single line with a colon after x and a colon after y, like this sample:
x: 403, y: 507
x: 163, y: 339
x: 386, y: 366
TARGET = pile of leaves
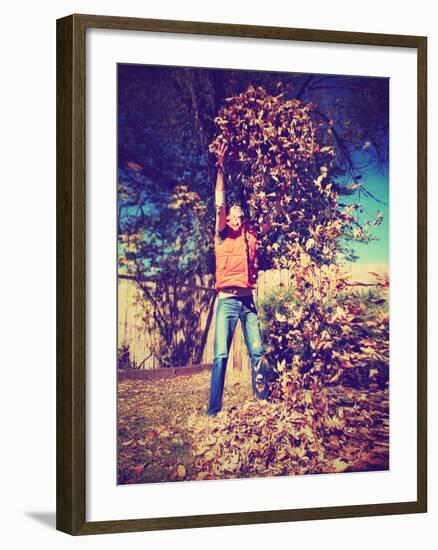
x: 262, y: 439
x: 165, y: 435
x: 330, y: 340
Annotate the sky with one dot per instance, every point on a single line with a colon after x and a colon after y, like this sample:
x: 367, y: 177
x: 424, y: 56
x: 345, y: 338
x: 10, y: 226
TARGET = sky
x: 375, y: 252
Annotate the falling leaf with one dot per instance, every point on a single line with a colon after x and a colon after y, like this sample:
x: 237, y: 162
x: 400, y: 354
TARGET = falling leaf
x: 339, y: 465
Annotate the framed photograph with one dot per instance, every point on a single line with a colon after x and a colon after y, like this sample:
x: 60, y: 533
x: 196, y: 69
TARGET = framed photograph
x: 241, y: 274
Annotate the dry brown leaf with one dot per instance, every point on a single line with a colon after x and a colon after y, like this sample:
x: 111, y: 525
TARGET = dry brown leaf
x: 339, y: 465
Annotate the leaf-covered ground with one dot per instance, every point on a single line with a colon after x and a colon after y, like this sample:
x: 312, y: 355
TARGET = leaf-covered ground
x: 164, y: 434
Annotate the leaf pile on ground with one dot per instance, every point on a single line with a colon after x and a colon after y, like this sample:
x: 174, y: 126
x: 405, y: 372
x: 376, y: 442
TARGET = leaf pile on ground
x: 164, y: 434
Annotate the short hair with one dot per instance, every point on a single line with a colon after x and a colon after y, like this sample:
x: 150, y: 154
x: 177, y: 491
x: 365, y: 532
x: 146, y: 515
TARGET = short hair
x: 235, y: 205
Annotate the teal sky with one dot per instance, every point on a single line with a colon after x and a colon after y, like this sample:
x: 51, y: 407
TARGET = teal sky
x: 375, y: 251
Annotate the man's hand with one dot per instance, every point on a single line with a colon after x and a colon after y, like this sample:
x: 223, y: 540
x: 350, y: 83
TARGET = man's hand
x: 220, y: 153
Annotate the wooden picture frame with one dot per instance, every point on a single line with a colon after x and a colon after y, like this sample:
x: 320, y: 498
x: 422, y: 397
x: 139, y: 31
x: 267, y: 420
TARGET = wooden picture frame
x: 71, y: 273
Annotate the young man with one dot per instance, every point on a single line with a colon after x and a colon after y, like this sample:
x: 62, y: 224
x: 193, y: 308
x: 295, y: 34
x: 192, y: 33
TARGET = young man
x: 236, y: 276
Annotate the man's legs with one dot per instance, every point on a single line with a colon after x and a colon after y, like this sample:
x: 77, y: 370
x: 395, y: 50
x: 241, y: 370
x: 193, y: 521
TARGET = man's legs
x: 253, y: 339
x: 227, y: 314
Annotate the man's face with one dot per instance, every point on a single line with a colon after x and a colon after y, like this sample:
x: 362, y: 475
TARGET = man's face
x: 236, y: 216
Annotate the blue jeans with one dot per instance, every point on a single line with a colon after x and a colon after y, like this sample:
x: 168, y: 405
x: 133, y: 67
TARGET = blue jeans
x: 229, y: 311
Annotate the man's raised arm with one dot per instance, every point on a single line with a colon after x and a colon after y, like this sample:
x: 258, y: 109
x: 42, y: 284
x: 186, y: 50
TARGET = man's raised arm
x: 220, y: 196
